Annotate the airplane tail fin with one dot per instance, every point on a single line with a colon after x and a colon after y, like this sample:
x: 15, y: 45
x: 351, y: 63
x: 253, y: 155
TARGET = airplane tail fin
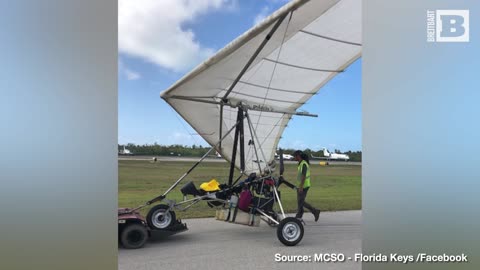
x: 325, y: 152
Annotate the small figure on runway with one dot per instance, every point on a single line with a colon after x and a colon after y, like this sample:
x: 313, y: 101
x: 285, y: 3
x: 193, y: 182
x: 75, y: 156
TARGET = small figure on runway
x: 303, y: 181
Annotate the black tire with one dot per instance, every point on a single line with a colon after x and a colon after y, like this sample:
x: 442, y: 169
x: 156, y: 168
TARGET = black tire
x: 290, y: 231
x: 134, y: 236
x: 160, y: 222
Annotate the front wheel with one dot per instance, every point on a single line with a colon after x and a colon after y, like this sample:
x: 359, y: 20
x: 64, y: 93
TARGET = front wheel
x: 160, y: 217
x: 134, y: 236
x: 290, y: 231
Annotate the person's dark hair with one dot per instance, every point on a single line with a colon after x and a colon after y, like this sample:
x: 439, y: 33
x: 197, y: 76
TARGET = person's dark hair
x: 302, y: 156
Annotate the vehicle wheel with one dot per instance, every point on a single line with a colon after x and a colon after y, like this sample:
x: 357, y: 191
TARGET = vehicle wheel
x: 290, y: 231
x: 160, y: 218
x: 134, y: 236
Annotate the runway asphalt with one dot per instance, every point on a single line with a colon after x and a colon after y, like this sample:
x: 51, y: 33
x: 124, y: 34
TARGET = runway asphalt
x: 213, y: 159
x: 213, y: 244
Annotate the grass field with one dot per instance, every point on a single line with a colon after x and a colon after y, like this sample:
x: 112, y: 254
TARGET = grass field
x: 333, y: 188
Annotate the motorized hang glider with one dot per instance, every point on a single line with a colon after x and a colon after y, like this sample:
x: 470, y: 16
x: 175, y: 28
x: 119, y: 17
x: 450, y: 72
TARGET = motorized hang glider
x: 242, y: 98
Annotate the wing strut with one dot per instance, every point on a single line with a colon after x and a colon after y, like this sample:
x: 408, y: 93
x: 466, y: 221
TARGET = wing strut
x: 251, y: 107
x: 220, y: 128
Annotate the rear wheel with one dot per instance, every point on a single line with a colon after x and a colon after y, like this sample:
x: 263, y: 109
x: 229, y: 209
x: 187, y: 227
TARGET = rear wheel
x: 134, y: 236
x: 290, y: 231
x: 160, y: 217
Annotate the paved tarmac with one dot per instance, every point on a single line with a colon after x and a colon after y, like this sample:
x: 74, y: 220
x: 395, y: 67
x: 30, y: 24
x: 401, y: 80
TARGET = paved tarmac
x: 213, y: 244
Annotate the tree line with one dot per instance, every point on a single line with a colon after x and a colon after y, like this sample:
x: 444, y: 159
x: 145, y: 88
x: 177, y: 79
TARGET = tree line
x: 198, y: 151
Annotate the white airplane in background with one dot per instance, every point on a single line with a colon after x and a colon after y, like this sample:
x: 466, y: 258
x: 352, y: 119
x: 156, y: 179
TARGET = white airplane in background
x: 285, y: 156
x: 125, y: 151
x: 332, y: 156
x: 335, y: 156
x: 216, y: 155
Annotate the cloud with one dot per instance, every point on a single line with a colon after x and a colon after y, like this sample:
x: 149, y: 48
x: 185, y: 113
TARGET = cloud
x: 154, y: 30
x: 130, y: 74
x: 262, y: 15
x: 270, y: 6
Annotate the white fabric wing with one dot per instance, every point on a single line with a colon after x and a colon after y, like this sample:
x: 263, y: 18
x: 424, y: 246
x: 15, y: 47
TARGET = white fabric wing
x: 316, y: 40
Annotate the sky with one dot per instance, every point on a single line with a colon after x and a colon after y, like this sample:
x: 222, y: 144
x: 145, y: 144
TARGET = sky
x: 161, y: 41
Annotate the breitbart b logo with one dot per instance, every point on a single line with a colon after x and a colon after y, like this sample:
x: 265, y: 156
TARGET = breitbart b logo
x: 448, y: 26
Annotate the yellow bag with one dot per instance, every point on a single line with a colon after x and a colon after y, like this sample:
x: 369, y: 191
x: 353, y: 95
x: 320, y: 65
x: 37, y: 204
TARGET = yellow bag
x: 213, y: 185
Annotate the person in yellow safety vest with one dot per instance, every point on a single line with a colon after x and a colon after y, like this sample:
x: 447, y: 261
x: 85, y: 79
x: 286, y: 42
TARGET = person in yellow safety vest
x: 303, y: 184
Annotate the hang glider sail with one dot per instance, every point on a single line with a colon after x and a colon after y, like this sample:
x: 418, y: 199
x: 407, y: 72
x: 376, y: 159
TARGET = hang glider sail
x: 270, y: 72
